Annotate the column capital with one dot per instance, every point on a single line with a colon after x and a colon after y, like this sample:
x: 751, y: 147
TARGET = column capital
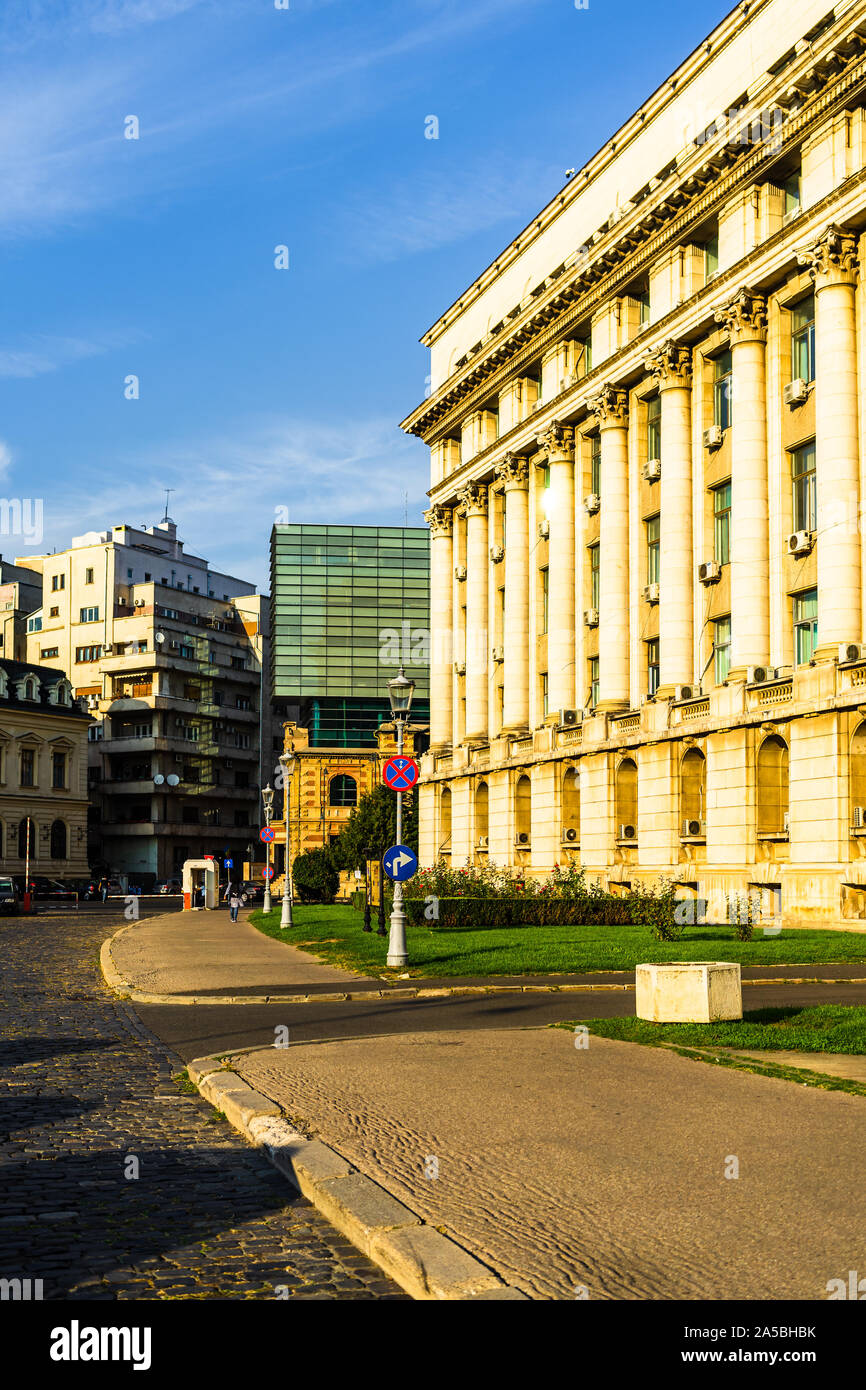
x: 440, y: 519
x: 745, y: 317
x: 610, y: 407
x: 473, y: 499
x: 670, y: 365
x: 513, y: 471
x: 558, y: 439
x: 833, y: 258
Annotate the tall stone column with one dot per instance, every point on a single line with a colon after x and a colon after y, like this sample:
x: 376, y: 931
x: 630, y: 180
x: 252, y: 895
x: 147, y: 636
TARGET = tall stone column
x: 671, y: 368
x: 514, y: 473
x: 611, y: 411
x: 441, y: 522
x: 558, y: 441
x: 745, y: 318
x: 473, y: 502
x: 833, y: 265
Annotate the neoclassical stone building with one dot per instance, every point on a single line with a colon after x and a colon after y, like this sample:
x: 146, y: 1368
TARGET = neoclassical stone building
x: 648, y: 597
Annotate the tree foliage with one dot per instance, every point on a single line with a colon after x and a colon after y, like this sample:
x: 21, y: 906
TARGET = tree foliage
x: 314, y: 876
x: 373, y: 825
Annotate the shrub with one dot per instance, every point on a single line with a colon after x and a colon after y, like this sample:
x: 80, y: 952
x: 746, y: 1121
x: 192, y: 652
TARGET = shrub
x: 314, y: 877
x: 743, y: 910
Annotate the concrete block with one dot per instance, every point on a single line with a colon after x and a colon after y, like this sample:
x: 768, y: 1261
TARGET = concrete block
x: 361, y: 1209
x: 428, y: 1265
x: 688, y: 991
x: 239, y: 1102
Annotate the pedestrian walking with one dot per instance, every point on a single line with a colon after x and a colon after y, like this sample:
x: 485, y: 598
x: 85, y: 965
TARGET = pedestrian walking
x: 103, y: 888
x: 236, y: 898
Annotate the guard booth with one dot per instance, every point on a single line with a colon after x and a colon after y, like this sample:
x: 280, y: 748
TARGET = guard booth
x: 195, y: 873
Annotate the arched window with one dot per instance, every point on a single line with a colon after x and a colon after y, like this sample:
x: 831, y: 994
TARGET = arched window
x: 773, y: 786
x: 481, y: 805
x: 626, y: 800
x: 343, y: 791
x: 523, y: 812
x: 857, y: 772
x: 30, y: 690
x: 22, y: 837
x: 693, y: 783
x: 444, y: 819
x: 571, y: 807
x: 58, y: 839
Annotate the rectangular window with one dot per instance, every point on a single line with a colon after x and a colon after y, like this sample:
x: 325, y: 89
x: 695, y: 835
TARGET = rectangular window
x: 643, y: 300
x: 805, y: 626
x: 594, y: 574
x: 544, y: 689
x: 88, y: 653
x: 48, y: 653
x: 722, y: 372
x: 803, y: 339
x: 652, y: 665
x: 722, y: 524
x: 58, y: 581
x: 58, y: 770
x: 28, y: 767
x: 89, y: 615
x: 54, y: 612
x: 722, y: 649
x: 654, y: 428
x: 593, y: 681
x: 803, y: 483
x: 88, y: 576
x: 595, y: 463
x: 94, y: 733
x: 653, y: 549
x: 545, y: 599
x: 711, y: 251
x: 791, y: 189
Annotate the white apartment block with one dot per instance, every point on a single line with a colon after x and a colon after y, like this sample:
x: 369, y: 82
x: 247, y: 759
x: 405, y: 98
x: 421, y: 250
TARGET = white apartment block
x: 648, y: 585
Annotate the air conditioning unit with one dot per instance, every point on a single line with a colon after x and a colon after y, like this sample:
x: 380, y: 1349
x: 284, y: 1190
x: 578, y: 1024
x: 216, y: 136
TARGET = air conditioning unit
x: 800, y: 542
x: 859, y: 817
x: 108, y: 649
x: 785, y: 822
x: 627, y: 832
x: 460, y: 668
x: 692, y: 828
x: 498, y: 655
x: 522, y: 840
x: 651, y: 593
x: 652, y: 470
x: 483, y: 842
x: 796, y: 392
x: 590, y: 617
x: 544, y: 530
x: 709, y: 572
x: 93, y: 702
x: 851, y: 651
x: 121, y: 599
x: 592, y: 502
x: 460, y: 573
x: 569, y: 836
x: 138, y: 603
x: 713, y: 437
x: 686, y: 692
x: 759, y: 675
x: 569, y: 717
x: 178, y: 757
x: 497, y: 553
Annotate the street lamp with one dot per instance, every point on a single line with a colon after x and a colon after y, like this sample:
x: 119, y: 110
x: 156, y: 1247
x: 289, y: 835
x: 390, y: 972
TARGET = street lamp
x: 368, y: 855
x: 268, y: 803
x: 400, y: 692
x: 287, y: 763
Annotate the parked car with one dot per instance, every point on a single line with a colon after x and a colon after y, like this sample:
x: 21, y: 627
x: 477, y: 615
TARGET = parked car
x: 9, y: 899
x: 170, y: 885
x: 255, y: 891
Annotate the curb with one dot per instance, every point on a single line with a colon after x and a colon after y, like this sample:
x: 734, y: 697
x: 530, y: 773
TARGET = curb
x: 425, y: 1263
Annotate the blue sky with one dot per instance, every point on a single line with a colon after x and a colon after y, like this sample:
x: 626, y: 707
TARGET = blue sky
x: 260, y: 127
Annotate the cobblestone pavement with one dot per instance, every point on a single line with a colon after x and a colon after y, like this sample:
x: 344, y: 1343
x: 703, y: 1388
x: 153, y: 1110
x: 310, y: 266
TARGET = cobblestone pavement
x: 87, y: 1100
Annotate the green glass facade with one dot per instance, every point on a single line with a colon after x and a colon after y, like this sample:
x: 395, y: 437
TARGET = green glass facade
x: 348, y: 604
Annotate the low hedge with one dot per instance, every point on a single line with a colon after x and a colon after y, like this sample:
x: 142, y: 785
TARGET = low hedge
x: 474, y: 914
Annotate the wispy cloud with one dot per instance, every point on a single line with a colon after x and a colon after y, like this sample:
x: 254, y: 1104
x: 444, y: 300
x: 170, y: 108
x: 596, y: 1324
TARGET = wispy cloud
x: 39, y: 354
x: 5, y: 459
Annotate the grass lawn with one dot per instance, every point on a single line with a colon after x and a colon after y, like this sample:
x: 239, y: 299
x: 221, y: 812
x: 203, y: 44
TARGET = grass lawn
x: 821, y: 1028
x: 334, y: 934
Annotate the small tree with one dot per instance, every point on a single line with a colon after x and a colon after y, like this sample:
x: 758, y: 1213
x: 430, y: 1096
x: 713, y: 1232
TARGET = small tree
x: 373, y: 825
x: 314, y: 876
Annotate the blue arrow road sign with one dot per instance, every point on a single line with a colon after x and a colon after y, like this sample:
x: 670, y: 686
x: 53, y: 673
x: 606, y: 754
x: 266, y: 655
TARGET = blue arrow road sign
x: 228, y: 863
x: 400, y: 863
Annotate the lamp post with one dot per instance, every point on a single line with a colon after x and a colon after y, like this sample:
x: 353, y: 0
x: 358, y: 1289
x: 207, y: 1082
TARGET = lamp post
x: 268, y: 803
x: 287, y: 763
x: 400, y: 692
x: 368, y: 855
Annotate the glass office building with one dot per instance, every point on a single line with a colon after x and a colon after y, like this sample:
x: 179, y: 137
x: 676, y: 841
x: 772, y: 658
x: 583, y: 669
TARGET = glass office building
x: 348, y: 605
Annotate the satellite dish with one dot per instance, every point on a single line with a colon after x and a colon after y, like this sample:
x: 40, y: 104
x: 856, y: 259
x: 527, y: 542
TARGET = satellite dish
x: 159, y: 637
x: 172, y: 779
x: 159, y: 779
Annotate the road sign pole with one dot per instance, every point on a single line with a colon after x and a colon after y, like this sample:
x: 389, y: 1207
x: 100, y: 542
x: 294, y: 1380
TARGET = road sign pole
x: 397, y: 955
x: 266, y: 901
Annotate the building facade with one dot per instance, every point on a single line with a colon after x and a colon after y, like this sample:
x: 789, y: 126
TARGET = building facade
x: 169, y: 655
x: 348, y: 605
x: 43, y: 773
x: 648, y: 645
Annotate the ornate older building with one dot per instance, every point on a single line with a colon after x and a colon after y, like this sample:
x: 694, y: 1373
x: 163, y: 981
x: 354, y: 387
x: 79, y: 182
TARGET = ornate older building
x: 648, y: 603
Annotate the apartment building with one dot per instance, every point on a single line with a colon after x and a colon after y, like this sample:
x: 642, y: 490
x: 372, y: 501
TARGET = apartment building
x: 169, y: 655
x: 648, y: 576
x: 20, y: 595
